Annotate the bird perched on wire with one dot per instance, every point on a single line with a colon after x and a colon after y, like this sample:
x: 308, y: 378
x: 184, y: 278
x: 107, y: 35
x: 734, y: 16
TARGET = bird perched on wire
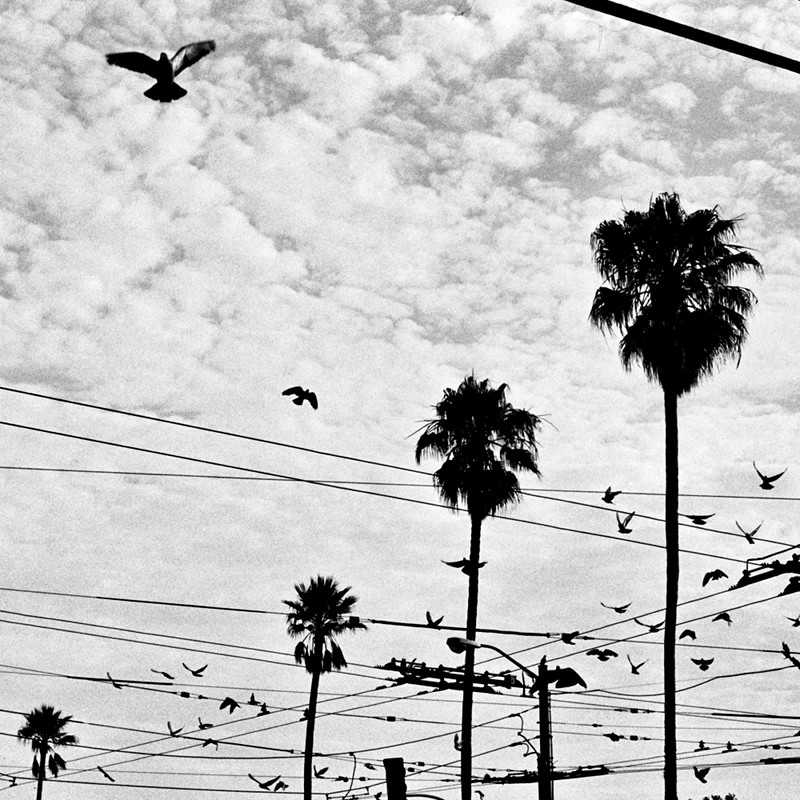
x: 698, y: 519
x: 723, y: 616
x: 602, y: 655
x: 700, y: 774
x: 106, y: 775
x: 635, y: 667
x: 688, y: 634
x: 302, y: 394
x: 165, y: 70
x: 165, y: 674
x: 618, y: 609
x: 766, y: 482
x: 750, y: 536
x: 714, y: 575
x: 203, y: 726
x: 608, y: 495
x: 652, y: 628
x: 787, y: 653
x: 433, y: 623
x: 622, y: 525
x: 198, y: 673
x: 703, y: 663
x: 464, y: 565
x: 569, y: 638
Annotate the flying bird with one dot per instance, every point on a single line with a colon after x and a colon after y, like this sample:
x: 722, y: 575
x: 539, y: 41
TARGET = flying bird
x: 635, y: 667
x: 622, y: 525
x: 198, y: 673
x: 724, y: 616
x: 433, y: 623
x: 688, y: 634
x: 463, y: 565
x: 280, y: 786
x: 714, y: 575
x: 564, y: 677
x: 652, y: 628
x: 703, y: 663
x: 700, y: 774
x: 173, y: 731
x: 230, y: 704
x: 618, y: 609
x: 266, y: 784
x: 698, y: 519
x: 165, y: 674
x: 106, y: 775
x: 165, y: 70
x: 302, y: 394
x: 766, y: 483
x: 608, y: 495
x: 602, y: 655
x: 751, y: 535
x: 318, y: 773
x: 795, y: 621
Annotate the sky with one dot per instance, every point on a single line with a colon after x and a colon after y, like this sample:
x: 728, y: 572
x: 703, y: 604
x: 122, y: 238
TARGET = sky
x: 374, y: 200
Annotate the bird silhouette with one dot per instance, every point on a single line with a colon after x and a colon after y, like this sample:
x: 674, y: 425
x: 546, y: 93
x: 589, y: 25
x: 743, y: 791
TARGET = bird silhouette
x: 608, y: 495
x: 464, y: 565
x: 635, y: 667
x: 165, y: 70
x: 457, y: 742
x: 230, y: 704
x: 569, y: 638
x: 280, y: 786
x: 106, y: 775
x: 263, y: 711
x: 622, y: 525
x: 700, y: 774
x: 198, y: 673
x: 318, y: 773
x: 252, y: 701
x: 615, y: 737
x: 652, y: 628
x: 788, y: 654
x: 750, y: 536
x: 766, y: 483
x: 618, y: 609
x: 266, y: 784
x: 723, y: 616
x: 302, y: 394
x: 795, y: 621
x: 703, y: 663
x: 602, y: 655
x: 208, y: 742
x: 173, y: 731
x: 203, y: 726
x: 433, y: 623
x: 688, y: 634
x: 714, y: 575
x: 165, y: 674
x: 698, y: 519
x: 564, y: 677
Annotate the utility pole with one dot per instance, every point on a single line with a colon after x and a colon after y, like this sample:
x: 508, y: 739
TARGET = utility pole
x: 545, y: 738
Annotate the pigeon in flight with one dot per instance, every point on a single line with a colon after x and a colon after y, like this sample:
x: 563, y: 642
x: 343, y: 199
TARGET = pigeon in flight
x: 433, y: 623
x: 652, y: 628
x: 766, y: 483
x: 751, y: 535
x: 795, y: 621
x: 106, y: 775
x: 618, y: 609
x: 635, y: 667
x: 688, y: 634
x: 703, y: 663
x: 714, y: 575
x: 602, y: 655
x: 318, y: 773
x: 173, y: 731
x: 230, y: 704
x: 700, y: 774
x: 564, y: 677
x: 623, y: 524
x: 266, y: 784
x: 463, y: 565
x: 198, y: 673
x: 724, y: 616
x: 165, y: 674
x: 165, y: 70
x: 302, y: 394
x: 698, y: 519
x: 608, y: 495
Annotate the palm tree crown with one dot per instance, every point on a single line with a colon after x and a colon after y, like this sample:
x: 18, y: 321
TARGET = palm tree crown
x: 483, y: 438
x: 319, y: 614
x: 669, y: 293
x: 44, y: 729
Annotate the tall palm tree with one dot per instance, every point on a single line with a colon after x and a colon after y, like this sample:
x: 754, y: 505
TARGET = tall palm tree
x: 669, y: 296
x: 319, y: 614
x: 44, y: 729
x: 482, y: 438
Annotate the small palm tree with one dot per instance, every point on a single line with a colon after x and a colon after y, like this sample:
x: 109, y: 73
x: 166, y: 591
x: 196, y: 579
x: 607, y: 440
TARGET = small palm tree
x: 669, y: 295
x: 44, y: 729
x: 319, y: 614
x: 482, y: 439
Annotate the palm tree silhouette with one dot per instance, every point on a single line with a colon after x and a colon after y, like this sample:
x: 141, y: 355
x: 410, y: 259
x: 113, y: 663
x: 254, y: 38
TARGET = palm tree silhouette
x: 482, y: 438
x: 669, y: 296
x: 318, y: 615
x: 44, y: 729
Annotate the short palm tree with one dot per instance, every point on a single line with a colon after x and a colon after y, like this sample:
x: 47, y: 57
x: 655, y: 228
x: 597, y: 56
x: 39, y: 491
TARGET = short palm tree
x: 669, y: 296
x: 482, y: 438
x: 319, y: 614
x: 44, y: 729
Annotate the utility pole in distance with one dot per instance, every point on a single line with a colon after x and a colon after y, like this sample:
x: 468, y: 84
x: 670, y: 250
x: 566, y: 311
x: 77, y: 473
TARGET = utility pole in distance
x: 545, y: 736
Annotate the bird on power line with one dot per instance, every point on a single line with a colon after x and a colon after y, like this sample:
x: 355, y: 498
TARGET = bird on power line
x: 698, y: 519
x: 569, y: 638
x: 622, y: 525
x: 106, y: 775
x: 688, y: 634
x: 198, y: 673
x: 302, y: 394
x: 165, y: 70
x: 203, y: 726
x: 714, y: 575
x: 464, y: 565
x: 750, y: 536
x: 723, y: 616
x: 608, y: 495
x: 635, y: 667
x: 252, y: 701
x: 433, y: 623
x: 618, y: 609
x: 700, y: 774
x: 766, y: 482
x: 652, y: 628
x: 703, y: 663
x: 602, y: 655
x: 457, y: 742
x: 788, y: 654
x: 165, y: 674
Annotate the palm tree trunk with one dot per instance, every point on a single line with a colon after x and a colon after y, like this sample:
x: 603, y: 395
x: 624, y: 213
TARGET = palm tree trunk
x: 469, y: 658
x: 40, y: 777
x: 308, y: 761
x: 673, y: 573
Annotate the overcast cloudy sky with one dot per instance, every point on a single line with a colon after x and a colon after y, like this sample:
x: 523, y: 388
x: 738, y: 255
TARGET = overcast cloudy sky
x: 373, y: 199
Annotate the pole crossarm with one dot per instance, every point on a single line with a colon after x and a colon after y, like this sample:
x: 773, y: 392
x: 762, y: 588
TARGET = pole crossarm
x: 772, y: 570
x: 442, y: 677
